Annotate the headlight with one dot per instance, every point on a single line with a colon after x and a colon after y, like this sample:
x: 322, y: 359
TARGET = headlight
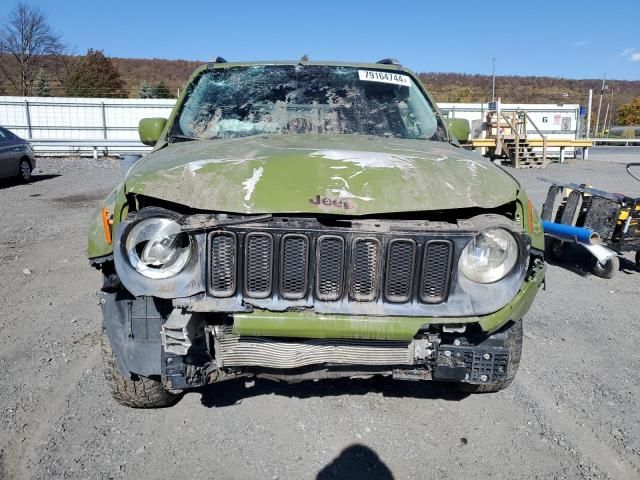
x: 490, y: 256
x: 157, y: 248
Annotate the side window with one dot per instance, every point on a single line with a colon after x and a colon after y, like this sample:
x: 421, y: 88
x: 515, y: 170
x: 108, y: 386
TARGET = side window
x: 4, y: 136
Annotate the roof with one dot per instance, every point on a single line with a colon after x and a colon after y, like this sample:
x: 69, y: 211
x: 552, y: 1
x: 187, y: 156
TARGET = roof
x: 379, y: 66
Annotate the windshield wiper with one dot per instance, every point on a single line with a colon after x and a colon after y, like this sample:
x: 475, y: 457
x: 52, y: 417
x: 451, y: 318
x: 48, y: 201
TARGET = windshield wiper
x: 177, y: 136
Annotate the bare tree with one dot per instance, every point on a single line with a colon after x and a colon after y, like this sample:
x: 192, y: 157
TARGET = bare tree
x: 26, y: 41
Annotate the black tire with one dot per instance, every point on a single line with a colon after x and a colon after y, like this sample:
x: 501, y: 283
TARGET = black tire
x: 24, y: 172
x: 514, y: 345
x: 638, y: 259
x: 606, y: 270
x: 140, y: 392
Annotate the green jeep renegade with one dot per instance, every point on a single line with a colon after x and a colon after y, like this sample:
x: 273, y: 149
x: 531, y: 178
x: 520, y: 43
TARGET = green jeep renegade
x: 306, y: 220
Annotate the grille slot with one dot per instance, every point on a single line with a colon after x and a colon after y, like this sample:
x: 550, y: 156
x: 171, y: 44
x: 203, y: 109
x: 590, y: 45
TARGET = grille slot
x: 401, y: 259
x: 365, y: 269
x: 294, y: 262
x: 329, y: 267
x: 258, y: 265
x: 222, y: 264
x: 435, y: 271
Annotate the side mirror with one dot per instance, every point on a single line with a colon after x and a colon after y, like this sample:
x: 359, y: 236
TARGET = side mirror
x: 459, y: 128
x: 150, y: 130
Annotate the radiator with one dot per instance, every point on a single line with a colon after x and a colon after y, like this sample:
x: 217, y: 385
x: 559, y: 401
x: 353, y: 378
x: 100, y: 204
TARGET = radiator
x: 232, y: 350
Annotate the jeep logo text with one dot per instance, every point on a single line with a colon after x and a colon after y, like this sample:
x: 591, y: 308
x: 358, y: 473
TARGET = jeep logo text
x: 332, y: 202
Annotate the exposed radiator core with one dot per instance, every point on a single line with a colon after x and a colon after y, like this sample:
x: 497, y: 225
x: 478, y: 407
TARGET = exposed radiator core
x: 232, y: 350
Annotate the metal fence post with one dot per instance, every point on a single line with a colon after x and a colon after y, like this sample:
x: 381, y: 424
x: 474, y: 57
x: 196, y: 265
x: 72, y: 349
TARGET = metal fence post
x: 104, y: 130
x: 104, y: 121
x: 28, y: 116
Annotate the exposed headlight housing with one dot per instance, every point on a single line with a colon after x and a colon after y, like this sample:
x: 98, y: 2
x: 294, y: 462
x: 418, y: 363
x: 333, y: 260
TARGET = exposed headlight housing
x: 158, y: 248
x: 490, y: 256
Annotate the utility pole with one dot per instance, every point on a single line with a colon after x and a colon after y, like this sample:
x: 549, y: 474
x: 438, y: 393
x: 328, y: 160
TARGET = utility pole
x: 606, y: 125
x: 493, y: 82
x: 611, y: 112
x: 585, y: 152
x: 589, y: 112
x: 600, y: 104
x: 606, y: 117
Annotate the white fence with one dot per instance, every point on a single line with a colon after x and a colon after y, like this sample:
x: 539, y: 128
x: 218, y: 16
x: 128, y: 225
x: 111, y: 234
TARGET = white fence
x: 78, y: 125
x: 106, y: 125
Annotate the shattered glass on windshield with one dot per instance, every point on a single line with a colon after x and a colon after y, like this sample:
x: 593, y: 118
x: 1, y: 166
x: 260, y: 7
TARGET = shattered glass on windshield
x: 297, y: 99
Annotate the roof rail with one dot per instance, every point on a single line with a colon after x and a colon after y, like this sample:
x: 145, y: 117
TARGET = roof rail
x: 389, y: 61
x: 210, y: 65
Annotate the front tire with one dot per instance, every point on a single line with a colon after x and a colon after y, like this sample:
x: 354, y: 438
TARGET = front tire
x: 25, y: 170
x: 514, y: 346
x: 608, y: 269
x: 137, y: 392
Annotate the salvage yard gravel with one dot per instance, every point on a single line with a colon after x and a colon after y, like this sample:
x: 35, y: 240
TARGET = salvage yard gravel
x: 571, y: 412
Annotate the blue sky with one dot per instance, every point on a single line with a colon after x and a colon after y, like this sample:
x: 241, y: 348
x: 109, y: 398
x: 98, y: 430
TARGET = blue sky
x: 580, y: 39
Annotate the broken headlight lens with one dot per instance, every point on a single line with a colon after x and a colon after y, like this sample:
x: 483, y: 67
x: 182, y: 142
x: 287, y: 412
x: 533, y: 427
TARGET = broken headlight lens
x: 490, y: 256
x: 158, y: 248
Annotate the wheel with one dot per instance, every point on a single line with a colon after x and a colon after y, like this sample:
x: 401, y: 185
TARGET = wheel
x: 139, y: 392
x: 514, y: 345
x: 25, y: 170
x: 558, y: 249
x: 638, y: 259
x: 608, y: 269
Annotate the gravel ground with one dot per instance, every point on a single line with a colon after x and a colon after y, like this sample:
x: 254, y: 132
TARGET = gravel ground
x: 572, y: 412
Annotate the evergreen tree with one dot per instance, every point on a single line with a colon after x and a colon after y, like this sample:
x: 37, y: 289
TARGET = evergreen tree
x: 145, y: 90
x: 160, y: 90
x: 94, y: 76
x: 42, y: 84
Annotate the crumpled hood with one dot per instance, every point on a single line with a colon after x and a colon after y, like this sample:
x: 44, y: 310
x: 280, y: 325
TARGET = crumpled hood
x: 342, y: 174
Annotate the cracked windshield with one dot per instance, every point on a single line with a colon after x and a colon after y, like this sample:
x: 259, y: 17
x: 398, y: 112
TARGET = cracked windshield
x: 287, y: 99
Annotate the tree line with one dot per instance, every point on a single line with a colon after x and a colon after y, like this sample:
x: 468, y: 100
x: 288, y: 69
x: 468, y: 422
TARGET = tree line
x: 34, y: 60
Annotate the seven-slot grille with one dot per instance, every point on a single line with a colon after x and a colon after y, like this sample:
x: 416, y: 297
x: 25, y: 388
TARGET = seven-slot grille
x: 329, y: 267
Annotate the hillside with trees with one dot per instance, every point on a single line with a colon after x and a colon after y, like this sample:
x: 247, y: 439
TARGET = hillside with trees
x: 135, y: 74
x: 446, y: 87
x: 457, y: 87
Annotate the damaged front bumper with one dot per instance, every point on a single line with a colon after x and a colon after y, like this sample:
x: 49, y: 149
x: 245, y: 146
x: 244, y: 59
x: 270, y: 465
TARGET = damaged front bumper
x: 305, y: 324
x: 151, y: 338
x: 310, y: 325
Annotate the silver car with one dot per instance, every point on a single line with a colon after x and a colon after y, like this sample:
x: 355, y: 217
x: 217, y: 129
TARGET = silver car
x: 16, y: 156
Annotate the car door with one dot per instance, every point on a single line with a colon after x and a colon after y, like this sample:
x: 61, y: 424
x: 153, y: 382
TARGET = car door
x: 9, y: 156
x: 6, y: 163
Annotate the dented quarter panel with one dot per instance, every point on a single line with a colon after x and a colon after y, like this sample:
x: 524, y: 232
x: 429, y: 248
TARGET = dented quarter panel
x: 342, y: 175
